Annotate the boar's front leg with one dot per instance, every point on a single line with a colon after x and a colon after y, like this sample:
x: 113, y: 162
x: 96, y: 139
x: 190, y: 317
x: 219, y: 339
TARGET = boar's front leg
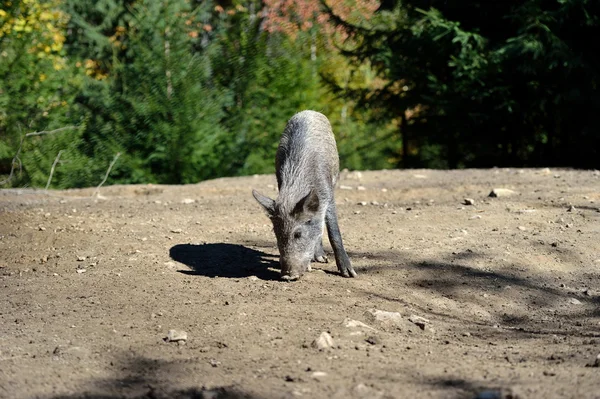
x: 320, y: 252
x: 335, y: 238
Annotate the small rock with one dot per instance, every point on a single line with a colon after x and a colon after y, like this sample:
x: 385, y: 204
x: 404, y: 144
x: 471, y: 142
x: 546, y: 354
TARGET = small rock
x: 41, y: 228
x: 80, y: 271
x: 363, y: 203
x: 419, y: 321
x: 214, y: 362
x: 342, y: 187
x: 362, y: 391
x: 571, y: 208
x: 188, y: 201
x: 375, y: 203
x: 317, y: 375
x: 526, y: 211
x: 595, y: 363
x: 522, y: 228
x: 475, y: 217
x: 361, y: 188
x: 501, y: 192
x: 373, y: 340
x: 170, y: 264
x: 574, y: 301
x: 176, y: 335
x: 253, y: 278
x: 80, y: 258
x: 387, y: 319
x: 176, y: 231
x: 469, y: 201
x: 323, y: 342
x: 357, y: 324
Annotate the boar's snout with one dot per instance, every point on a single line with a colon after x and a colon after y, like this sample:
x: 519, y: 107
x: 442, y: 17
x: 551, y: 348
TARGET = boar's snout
x: 290, y: 277
x: 292, y: 272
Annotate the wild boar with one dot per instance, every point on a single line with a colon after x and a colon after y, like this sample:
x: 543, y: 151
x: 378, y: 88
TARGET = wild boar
x: 307, y: 168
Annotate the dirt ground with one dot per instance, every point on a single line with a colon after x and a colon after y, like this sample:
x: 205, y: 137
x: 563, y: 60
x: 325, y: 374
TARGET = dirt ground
x: 499, y: 299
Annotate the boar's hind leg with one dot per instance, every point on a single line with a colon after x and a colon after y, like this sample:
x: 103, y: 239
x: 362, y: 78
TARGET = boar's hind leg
x: 320, y: 252
x: 335, y: 238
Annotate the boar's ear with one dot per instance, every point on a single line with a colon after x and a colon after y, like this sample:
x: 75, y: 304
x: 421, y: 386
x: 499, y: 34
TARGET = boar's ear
x: 308, y: 205
x: 267, y: 203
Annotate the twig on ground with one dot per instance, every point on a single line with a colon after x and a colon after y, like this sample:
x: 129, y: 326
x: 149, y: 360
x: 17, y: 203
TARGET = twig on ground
x: 52, y: 170
x: 107, y: 173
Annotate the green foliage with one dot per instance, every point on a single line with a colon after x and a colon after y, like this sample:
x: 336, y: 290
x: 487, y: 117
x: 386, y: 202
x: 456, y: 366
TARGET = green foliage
x: 37, y: 86
x: 490, y: 83
x: 187, y: 90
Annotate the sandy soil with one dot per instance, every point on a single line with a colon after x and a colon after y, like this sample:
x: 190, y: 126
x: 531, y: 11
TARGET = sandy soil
x: 509, y: 289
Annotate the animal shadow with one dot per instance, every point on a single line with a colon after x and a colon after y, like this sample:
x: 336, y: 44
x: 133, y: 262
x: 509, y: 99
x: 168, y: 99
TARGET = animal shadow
x: 225, y: 260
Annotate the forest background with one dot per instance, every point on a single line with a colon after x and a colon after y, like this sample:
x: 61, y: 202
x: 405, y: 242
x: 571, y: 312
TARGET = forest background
x: 179, y: 91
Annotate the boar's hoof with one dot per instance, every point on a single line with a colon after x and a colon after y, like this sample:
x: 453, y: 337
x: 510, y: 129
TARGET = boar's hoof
x: 290, y: 277
x: 349, y: 272
x: 321, y: 259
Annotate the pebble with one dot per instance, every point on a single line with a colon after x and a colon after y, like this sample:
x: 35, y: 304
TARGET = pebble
x: 387, y: 319
x: 469, y: 201
x: 419, y: 321
x: 361, y: 188
x: 188, y: 201
x: 522, y: 228
x: 357, y: 324
x: 80, y: 271
x: 362, y: 203
x: 323, y: 342
x: 346, y: 188
x: 317, y: 375
x: 475, y: 217
x: 80, y: 258
x: 176, y: 231
x: 363, y: 391
x: 501, y: 192
x: 373, y: 340
x: 574, y: 301
x: 176, y: 335
x: 571, y: 208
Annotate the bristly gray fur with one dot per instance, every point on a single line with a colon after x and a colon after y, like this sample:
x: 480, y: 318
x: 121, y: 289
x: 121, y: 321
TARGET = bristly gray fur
x: 306, y: 158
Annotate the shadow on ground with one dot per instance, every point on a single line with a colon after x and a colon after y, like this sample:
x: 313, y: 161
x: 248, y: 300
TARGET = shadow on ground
x: 158, y: 393
x: 453, y: 278
x: 225, y: 260
x: 143, y: 378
